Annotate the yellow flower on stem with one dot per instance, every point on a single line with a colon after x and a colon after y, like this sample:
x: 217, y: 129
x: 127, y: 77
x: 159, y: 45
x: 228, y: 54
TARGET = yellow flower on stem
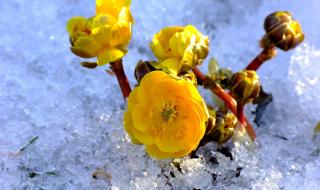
x: 166, y: 114
x: 179, y: 48
x: 106, y: 35
x: 111, y: 6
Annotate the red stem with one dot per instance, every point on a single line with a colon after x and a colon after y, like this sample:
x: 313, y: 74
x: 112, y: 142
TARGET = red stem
x: 264, y: 55
x: 240, y: 113
x: 117, y: 68
x: 228, y: 100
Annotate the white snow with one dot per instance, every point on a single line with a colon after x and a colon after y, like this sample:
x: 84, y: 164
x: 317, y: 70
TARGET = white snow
x: 76, y: 113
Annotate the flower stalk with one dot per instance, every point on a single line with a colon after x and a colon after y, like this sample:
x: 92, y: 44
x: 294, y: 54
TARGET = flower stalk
x: 117, y: 68
x: 240, y: 113
x: 283, y: 32
x: 265, y: 55
x: 228, y: 100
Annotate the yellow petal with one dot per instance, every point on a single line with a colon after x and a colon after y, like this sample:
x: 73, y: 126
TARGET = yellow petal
x: 166, y: 33
x: 101, y: 20
x: 171, y: 65
x: 160, y: 42
x: 133, y: 99
x: 125, y: 15
x: 178, y: 43
x: 110, y: 55
x: 142, y: 117
x: 86, y: 47
x: 172, y: 87
x: 121, y: 35
x: 111, y: 6
x: 181, y: 153
x: 76, y: 22
x: 180, y: 135
x: 196, y: 117
x: 102, y: 35
x: 148, y: 81
x: 153, y: 151
x: 157, y: 49
x: 146, y: 137
x: 168, y: 144
x: 190, y: 90
x: 128, y: 126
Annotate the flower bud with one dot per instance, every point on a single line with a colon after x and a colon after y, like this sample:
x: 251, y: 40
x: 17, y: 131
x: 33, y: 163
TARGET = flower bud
x: 245, y: 86
x: 282, y: 31
x: 211, y: 121
x: 225, y: 76
x: 142, y: 68
x: 225, y: 123
x: 179, y: 49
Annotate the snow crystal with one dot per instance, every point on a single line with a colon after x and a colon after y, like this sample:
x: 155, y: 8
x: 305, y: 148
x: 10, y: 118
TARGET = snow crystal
x: 74, y: 115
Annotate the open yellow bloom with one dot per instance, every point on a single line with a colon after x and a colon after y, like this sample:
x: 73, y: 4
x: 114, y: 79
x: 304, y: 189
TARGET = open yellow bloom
x: 166, y: 114
x: 179, y: 48
x: 106, y: 35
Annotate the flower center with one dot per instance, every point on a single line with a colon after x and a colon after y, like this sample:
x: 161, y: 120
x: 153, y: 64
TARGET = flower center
x: 168, y: 113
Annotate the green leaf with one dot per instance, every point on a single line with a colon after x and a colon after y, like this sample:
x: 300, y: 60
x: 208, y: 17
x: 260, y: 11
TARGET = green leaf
x: 213, y: 68
x: 30, y: 142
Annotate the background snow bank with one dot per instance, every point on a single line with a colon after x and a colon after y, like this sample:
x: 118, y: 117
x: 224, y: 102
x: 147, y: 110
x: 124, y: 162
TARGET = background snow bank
x: 77, y: 113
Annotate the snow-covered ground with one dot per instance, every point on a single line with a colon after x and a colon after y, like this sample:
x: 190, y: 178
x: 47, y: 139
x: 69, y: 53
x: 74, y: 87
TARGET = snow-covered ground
x: 76, y: 113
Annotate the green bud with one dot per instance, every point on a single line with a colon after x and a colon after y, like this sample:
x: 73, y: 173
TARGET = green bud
x: 142, y: 68
x: 225, y: 76
x: 221, y: 76
x: 225, y: 123
x: 245, y: 86
x: 210, y: 124
x: 282, y: 31
x: 213, y: 68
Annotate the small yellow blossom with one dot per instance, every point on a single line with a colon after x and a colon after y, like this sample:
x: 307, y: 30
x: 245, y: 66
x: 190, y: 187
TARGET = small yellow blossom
x: 179, y: 48
x: 166, y: 114
x: 106, y: 35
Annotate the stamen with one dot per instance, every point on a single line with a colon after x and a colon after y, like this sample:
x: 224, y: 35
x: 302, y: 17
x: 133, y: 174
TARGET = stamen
x: 168, y: 112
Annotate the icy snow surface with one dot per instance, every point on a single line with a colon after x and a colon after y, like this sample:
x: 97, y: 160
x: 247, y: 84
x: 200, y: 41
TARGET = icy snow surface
x: 77, y: 113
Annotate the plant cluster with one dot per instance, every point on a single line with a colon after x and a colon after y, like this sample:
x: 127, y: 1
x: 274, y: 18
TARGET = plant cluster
x: 165, y: 112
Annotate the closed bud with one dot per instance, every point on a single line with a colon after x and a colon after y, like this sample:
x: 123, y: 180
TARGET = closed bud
x: 179, y: 49
x: 282, y: 31
x: 210, y: 124
x: 225, y: 76
x: 225, y: 123
x: 142, y: 68
x: 245, y: 86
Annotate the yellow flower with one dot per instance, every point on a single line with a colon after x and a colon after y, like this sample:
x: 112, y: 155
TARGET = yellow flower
x: 111, y: 6
x: 105, y: 35
x: 166, y: 114
x: 179, y: 48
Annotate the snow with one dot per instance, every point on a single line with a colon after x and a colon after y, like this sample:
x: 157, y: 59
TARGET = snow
x: 76, y: 113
